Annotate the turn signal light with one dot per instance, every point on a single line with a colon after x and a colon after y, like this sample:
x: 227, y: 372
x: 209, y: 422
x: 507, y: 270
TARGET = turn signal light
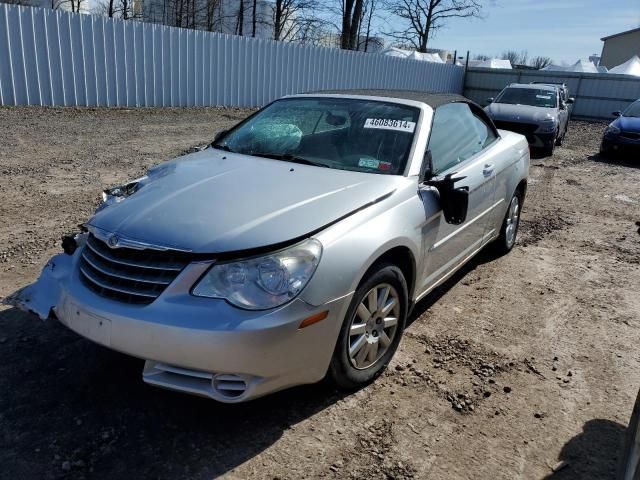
x: 318, y: 317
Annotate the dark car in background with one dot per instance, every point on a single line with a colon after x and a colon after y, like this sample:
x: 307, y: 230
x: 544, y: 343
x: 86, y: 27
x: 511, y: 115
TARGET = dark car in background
x: 623, y: 134
x: 535, y: 111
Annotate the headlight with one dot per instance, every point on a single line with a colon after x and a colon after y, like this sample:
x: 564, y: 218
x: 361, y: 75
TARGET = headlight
x: 263, y: 282
x: 547, y: 126
x: 612, y: 130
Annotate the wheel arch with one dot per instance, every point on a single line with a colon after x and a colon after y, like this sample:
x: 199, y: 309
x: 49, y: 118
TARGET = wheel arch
x: 404, y: 259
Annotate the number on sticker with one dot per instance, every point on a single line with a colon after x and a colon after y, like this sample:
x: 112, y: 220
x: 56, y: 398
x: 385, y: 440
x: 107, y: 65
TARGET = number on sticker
x: 390, y: 124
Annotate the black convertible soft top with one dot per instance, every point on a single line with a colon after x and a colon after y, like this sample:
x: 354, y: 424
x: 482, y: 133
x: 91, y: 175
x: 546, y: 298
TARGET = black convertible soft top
x: 434, y: 100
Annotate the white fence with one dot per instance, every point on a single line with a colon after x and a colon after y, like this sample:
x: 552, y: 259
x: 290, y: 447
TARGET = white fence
x: 51, y: 57
x: 596, y: 94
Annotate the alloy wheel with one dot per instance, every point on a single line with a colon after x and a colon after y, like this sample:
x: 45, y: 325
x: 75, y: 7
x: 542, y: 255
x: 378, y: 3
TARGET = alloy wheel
x: 373, y: 326
x: 513, y: 217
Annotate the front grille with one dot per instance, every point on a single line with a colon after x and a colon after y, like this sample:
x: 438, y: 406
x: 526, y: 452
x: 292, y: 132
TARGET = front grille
x: 630, y: 135
x: 522, y: 128
x: 129, y: 275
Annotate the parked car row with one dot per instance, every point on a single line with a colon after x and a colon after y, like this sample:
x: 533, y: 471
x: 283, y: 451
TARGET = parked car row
x: 541, y: 112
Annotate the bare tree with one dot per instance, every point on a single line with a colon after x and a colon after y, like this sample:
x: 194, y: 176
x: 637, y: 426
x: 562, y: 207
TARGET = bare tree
x: 351, y: 18
x: 368, y: 13
x: 481, y: 56
x: 424, y: 17
x: 254, y: 18
x: 540, y: 62
x: 516, y: 58
x: 296, y: 20
x: 240, y: 22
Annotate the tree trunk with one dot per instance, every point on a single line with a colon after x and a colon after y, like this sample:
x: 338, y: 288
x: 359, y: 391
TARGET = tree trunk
x: 277, y: 20
x: 240, y: 28
x: 253, y: 19
x: 366, y: 40
x: 355, y: 22
x: 347, y: 10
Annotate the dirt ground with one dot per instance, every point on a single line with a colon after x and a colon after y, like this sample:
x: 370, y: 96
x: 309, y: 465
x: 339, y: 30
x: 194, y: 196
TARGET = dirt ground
x: 515, y: 365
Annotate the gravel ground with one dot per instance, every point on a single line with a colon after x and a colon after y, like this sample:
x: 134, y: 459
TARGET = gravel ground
x: 516, y: 367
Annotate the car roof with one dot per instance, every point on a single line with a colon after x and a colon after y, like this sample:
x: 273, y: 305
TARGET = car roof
x: 553, y: 84
x: 434, y: 100
x: 536, y: 86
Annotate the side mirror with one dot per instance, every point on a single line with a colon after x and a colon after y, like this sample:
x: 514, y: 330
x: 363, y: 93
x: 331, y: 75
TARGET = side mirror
x: 490, y: 100
x: 617, y: 113
x: 570, y: 100
x: 219, y: 135
x: 453, y: 201
x: 563, y: 105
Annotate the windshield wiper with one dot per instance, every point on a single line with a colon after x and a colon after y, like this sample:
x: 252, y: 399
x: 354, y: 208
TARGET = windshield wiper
x: 287, y: 157
x: 226, y: 148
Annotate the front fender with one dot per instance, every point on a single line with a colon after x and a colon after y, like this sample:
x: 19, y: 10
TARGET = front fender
x: 353, y: 245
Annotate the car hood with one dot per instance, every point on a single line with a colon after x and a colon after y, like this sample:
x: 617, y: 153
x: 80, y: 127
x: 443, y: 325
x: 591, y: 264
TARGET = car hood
x: 628, y: 124
x: 214, y: 202
x: 522, y: 113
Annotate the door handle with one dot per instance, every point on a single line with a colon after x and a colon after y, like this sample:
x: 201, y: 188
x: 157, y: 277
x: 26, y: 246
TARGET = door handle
x: 488, y: 169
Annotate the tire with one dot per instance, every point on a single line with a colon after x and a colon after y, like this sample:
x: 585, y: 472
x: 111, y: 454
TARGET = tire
x: 549, y: 148
x: 560, y: 139
x: 358, y: 335
x: 629, y: 467
x: 507, y: 238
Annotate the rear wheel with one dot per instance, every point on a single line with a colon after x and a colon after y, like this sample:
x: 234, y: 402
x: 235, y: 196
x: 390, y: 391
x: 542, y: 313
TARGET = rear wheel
x: 509, y: 230
x: 560, y: 138
x: 372, y: 328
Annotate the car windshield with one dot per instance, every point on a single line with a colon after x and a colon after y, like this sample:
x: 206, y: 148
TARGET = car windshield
x: 528, y: 96
x: 632, y: 110
x: 348, y: 134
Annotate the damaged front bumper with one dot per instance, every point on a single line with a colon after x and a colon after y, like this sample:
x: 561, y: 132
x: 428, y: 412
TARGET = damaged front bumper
x: 195, y: 345
x: 42, y: 296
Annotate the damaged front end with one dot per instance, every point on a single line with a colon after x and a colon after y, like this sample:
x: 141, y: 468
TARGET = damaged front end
x: 44, y: 294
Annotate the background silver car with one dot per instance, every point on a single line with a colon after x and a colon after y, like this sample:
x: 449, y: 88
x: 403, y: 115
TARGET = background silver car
x: 294, y: 247
x: 537, y: 111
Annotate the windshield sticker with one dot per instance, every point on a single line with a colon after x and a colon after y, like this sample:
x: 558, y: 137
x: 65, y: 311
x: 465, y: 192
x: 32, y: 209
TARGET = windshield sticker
x: 384, y: 166
x: 544, y: 97
x: 368, y: 163
x: 390, y: 124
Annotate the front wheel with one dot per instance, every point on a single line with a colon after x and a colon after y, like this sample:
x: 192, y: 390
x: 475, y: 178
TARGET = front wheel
x: 550, y: 147
x: 372, y: 328
x: 509, y: 229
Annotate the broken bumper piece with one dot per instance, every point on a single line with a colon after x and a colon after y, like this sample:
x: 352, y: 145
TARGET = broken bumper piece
x: 41, y: 296
x: 44, y: 294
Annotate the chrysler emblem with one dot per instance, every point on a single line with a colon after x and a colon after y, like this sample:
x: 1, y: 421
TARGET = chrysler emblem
x: 113, y: 241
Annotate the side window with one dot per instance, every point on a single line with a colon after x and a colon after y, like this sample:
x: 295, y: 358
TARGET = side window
x: 485, y: 132
x: 456, y: 135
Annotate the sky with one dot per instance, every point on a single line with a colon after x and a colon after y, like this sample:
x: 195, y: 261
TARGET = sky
x: 564, y: 30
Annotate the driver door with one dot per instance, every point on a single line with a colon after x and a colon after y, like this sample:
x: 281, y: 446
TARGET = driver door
x: 461, y: 142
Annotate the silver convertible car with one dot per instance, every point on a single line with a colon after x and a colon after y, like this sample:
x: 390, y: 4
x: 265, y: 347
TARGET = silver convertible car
x: 294, y: 247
